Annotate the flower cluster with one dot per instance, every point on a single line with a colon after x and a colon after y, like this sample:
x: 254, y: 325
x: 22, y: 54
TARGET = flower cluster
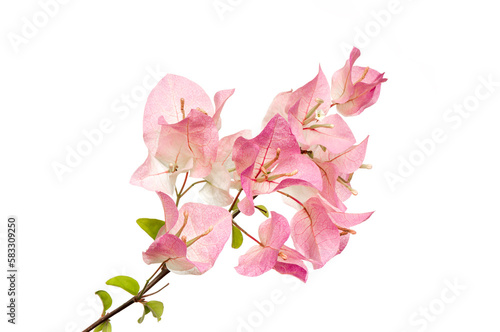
x: 304, y: 153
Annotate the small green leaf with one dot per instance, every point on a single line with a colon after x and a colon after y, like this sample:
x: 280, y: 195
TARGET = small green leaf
x: 125, y: 283
x: 263, y: 210
x: 146, y: 311
x: 237, y: 238
x: 104, y: 327
x: 107, y: 326
x: 106, y: 300
x: 156, y: 308
x: 151, y: 226
x: 235, y: 206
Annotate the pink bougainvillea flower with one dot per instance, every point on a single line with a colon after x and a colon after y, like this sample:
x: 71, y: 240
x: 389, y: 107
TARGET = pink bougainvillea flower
x: 317, y: 230
x: 314, y: 234
x: 188, y: 145
x: 173, y: 99
x: 355, y: 88
x: 192, y: 237
x: 345, y: 164
x: 336, y: 171
x: 272, y: 252
x: 278, y: 106
x: 271, y: 161
x: 222, y: 177
x: 302, y: 108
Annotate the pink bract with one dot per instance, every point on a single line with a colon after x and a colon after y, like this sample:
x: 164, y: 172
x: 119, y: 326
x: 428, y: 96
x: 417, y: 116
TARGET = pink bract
x: 355, y: 88
x: 273, y: 253
x: 210, y: 227
x: 272, y: 161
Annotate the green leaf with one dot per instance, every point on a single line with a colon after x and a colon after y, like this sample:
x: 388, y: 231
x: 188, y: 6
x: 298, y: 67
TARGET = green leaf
x: 106, y: 300
x: 125, y: 283
x: 263, y: 210
x: 104, y: 327
x: 107, y: 326
x: 151, y: 226
x: 156, y: 308
x: 146, y: 311
x: 237, y: 238
x: 235, y: 206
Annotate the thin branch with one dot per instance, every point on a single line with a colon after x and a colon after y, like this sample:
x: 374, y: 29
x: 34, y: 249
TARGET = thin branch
x: 179, y: 194
x: 191, y: 186
x: 156, y: 291
x: 246, y: 233
x: 235, y: 200
x: 127, y: 304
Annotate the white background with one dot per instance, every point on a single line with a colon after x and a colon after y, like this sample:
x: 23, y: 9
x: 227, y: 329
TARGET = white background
x: 438, y: 225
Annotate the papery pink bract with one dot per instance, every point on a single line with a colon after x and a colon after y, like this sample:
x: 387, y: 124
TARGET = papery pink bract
x: 335, y: 139
x: 314, y: 234
x: 186, y: 146
x: 305, y: 98
x: 212, y: 223
x: 278, y: 106
x: 309, y: 130
x: 220, y: 99
x: 169, y: 210
x: 355, y: 88
x: 342, y: 86
x: 273, y: 253
x: 220, y: 180
x: 164, y: 101
x: 261, y: 152
x: 293, y: 264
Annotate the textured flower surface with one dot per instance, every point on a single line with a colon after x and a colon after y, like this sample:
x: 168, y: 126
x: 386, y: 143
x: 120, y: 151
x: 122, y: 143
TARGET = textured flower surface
x: 192, y: 237
x: 355, y: 88
x: 272, y: 161
x: 305, y: 153
x: 272, y: 253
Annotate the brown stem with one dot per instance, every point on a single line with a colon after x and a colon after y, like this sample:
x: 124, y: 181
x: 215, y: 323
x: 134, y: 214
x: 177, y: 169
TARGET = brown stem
x: 235, y: 200
x: 131, y: 301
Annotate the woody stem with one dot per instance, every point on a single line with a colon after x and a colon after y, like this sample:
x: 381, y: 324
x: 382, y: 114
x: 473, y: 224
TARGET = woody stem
x: 161, y: 275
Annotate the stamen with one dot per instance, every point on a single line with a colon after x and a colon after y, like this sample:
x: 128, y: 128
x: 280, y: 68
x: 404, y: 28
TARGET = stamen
x: 321, y: 125
x: 172, y: 168
x: 364, y: 75
x: 186, y: 215
x: 343, y: 182
x: 270, y: 163
x: 366, y: 166
x: 313, y: 109
x: 277, y: 176
x: 343, y: 233
x: 190, y: 242
x: 264, y: 171
x: 182, y: 109
x: 347, y: 230
x: 283, y: 255
x: 201, y: 110
x: 184, y: 238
